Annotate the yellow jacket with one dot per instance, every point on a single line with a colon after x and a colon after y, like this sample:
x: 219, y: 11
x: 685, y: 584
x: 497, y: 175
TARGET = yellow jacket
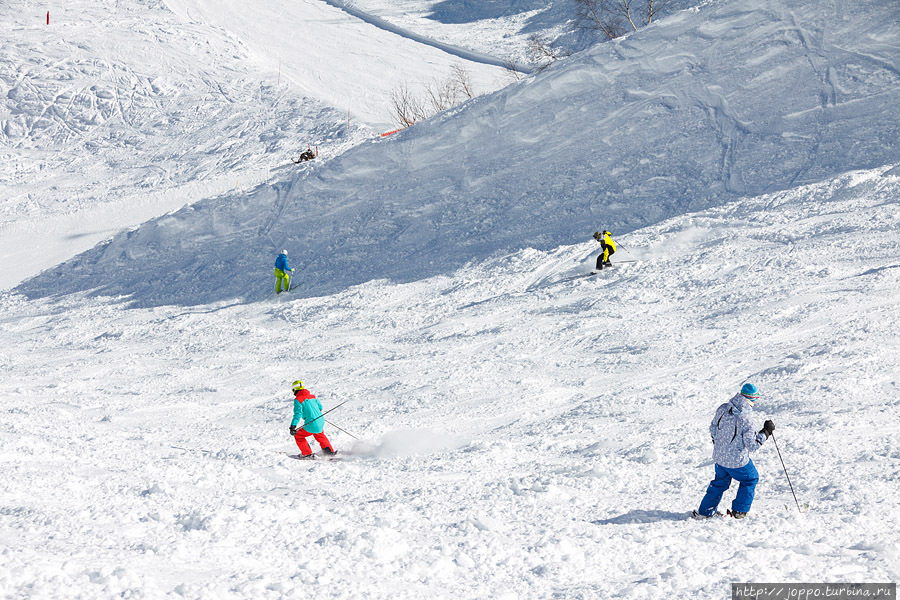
x: 608, y: 241
x: 605, y: 240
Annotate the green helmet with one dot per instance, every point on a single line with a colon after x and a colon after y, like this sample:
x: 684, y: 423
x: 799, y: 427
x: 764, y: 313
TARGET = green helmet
x: 297, y: 386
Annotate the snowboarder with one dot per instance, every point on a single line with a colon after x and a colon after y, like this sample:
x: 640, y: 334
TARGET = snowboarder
x: 608, y: 246
x: 282, y: 272
x: 733, y: 441
x: 308, y: 408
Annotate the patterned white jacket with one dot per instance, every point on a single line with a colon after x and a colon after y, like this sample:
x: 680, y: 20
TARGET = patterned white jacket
x: 733, y: 433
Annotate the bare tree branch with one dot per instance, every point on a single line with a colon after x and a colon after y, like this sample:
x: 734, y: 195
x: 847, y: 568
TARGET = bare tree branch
x: 439, y: 95
x: 613, y: 18
x: 654, y: 6
x: 540, y: 53
x: 597, y: 15
x: 442, y: 94
x: 625, y: 7
x: 512, y: 69
x: 463, y: 79
x: 407, y: 108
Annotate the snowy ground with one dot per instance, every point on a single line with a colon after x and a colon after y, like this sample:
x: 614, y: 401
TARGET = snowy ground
x: 111, y: 116
x: 523, y: 436
x: 526, y: 431
x: 701, y: 109
x: 500, y: 28
x: 340, y: 58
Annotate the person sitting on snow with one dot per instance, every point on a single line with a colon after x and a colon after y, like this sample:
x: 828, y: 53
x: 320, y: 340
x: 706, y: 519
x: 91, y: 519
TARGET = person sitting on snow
x: 608, y: 248
x: 733, y: 441
x: 282, y: 272
x: 308, y: 409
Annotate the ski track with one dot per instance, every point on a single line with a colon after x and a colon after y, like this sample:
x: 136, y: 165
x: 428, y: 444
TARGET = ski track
x: 353, y: 64
x: 676, y: 118
x: 515, y: 444
x: 467, y: 55
x: 99, y: 131
x: 523, y: 434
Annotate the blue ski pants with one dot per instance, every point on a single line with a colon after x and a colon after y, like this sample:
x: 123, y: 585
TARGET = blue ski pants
x: 746, y: 476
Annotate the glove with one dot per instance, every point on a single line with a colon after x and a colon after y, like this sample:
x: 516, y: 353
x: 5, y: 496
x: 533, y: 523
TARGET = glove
x: 293, y: 430
x: 768, y: 428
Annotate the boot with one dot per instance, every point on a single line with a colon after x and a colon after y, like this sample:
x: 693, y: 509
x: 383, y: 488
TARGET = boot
x: 696, y: 515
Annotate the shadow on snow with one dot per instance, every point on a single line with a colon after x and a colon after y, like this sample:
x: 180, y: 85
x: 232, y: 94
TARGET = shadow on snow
x: 644, y: 516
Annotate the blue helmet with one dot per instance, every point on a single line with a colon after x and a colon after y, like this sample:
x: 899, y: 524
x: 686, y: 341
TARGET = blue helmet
x: 749, y: 391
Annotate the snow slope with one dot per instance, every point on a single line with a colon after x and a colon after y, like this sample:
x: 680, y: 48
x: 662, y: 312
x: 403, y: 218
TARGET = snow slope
x: 501, y: 28
x: 338, y: 57
x: 526, y: 431
x: 698, y: 110
x: 117, y: 113
x: 523, y: 435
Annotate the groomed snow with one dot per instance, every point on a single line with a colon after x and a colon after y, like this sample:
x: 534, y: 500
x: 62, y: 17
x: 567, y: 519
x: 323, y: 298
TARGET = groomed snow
x: 114, y: 114
x: 522, y: 436
x: 698, y: 110
x: 525, y: 430
x: 347, y: 59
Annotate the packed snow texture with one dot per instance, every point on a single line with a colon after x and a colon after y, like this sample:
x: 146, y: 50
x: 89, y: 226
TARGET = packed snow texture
x: 525, y: 430
x: 349, y: 60
x: 697, y: 110
x: 523, y: 434
x: 111, y: 116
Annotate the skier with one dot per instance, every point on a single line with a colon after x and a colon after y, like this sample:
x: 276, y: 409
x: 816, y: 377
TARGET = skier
x: 733, y: 441
x: 608, y: 246
x: 308, y: 408
x: 282, y: 272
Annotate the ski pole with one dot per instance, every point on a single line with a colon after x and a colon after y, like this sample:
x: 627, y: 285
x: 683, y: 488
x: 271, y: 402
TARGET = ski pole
x: 322, y: 416
x: 785, y: 472
x: 339, y: 429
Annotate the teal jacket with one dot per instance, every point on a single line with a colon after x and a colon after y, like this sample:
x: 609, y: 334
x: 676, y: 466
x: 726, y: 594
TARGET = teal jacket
x: 308, y: 409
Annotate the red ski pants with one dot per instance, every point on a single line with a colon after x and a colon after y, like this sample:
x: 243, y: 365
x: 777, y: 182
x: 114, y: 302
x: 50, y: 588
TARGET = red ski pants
x: 305, y: 450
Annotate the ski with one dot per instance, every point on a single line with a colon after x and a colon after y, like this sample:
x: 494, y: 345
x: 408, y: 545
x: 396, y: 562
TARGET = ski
x: 316, y: 457
x: 312, y: 457
x: 578, y: 276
